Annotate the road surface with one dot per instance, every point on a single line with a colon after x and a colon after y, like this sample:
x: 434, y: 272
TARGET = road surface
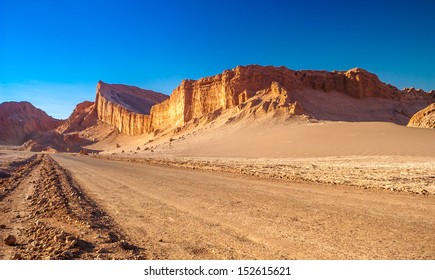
x: 177, y: 213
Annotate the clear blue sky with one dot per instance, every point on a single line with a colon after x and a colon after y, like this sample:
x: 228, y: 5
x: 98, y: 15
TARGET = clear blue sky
x: 52, y: 53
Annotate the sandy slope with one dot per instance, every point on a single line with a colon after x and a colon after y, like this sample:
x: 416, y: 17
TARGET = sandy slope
x: 190, y: 214
x: 297, y: 138
x: 309, y: 140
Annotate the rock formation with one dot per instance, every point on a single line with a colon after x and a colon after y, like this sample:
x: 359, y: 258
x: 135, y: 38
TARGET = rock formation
x: 83, y: 116
x: 194, y: 99
x: 134, y: 111
x: 424, y: 118
x: 126, y: 107
x: 20, y: 121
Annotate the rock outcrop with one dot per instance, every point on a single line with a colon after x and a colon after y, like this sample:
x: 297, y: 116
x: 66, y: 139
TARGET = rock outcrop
x: 259, y: 89
x: 126, y: 107
x: 424, y: 118
x: 20, y: 121
x: 83, y: 116
x: 194, y: 99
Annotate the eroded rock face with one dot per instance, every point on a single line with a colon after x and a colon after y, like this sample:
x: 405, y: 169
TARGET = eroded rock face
x: 424, y: 118
x: 19, y: 121
x: 83, y: 116
x: 126, y: 107
x: 193, y: 99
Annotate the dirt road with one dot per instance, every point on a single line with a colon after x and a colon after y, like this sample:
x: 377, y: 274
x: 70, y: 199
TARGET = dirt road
x: 176, y: 213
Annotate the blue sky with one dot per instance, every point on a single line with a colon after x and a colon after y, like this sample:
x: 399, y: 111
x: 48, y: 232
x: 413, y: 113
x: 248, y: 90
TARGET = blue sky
x: 52, y: 53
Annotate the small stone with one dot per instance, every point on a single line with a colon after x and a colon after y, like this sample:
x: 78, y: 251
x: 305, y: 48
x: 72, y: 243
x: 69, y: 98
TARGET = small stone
x: 59, y: 238
x: 68, y: 254
x: 10, y: 240
x: 2, y: 226
x: 113, y: 237
x: 125, y: 245
x: 72, y: 244
x: 103, y: 251
x: 29, y: 197
x: 17, y: 256
x: 43, y: 201
x: 70, y: 238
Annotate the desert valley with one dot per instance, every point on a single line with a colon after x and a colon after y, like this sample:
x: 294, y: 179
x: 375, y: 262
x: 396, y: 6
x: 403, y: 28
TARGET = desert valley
x: 257, y: 162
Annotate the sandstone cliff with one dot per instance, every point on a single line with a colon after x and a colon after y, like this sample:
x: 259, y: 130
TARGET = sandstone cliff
x: 126, y: 107
x: 194, y: 99
x: 20, y: 121
x: 424, y: 118
x: 353, y: 95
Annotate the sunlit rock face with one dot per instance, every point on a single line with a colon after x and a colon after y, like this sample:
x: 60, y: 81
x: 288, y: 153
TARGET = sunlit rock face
x: 126, y: 107
x: 263, y: 89
x: 193, y: 99
x: 424, y: 118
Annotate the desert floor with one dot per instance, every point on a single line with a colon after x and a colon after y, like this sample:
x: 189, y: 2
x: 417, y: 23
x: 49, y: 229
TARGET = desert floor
x: 69, y: 206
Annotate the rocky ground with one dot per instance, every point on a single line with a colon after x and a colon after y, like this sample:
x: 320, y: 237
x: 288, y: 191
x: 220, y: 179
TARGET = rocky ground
x: 44, y: 214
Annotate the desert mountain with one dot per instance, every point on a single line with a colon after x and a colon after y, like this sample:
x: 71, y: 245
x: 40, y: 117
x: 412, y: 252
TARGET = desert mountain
x: 20, y: 121
x: 424, y: 118
x: 252, y: 91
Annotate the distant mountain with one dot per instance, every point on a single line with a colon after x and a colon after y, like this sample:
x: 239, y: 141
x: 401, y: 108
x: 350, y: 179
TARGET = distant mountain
x: 20, y: 121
